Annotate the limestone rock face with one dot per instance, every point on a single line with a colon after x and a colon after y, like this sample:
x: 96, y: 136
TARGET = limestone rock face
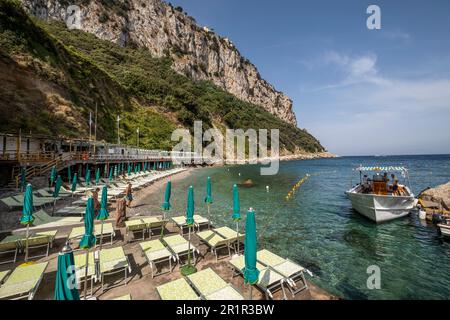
x: 197, y: 52
x: 439, y: 195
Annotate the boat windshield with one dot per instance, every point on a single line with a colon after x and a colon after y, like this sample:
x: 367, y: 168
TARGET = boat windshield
x: 383, y: 180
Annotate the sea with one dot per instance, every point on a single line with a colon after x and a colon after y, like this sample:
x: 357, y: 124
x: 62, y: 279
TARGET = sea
x: 317, y: 227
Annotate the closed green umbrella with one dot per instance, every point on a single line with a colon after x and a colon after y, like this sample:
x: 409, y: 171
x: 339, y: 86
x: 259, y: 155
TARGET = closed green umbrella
x: 208, y: 198
x: 110, y: 174
x: 97, y: 175
x: 103, y: 214
x: 189, y: 269
x: 236, y: 212
x: 53, y: 174
x: 58, y: 185
x: 65, y: 284
x: 27, y: 214
x: 74, y: 183
x: 251, y: 272
x: 69, y: 174
x: 166, y: 204
x: 88, y: 177
x: 88, y: 239
x: 129, y: 168
x: 154, y: 166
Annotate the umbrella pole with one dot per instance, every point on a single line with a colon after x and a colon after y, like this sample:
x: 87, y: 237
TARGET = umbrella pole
x: 189, y: 246
x: 53, y: 209
x: 209, y: 217
x: 237, y: 236
x: 86, y: 274
x: 251, y: 287
x: 26, y: 243
x: 101, y: 235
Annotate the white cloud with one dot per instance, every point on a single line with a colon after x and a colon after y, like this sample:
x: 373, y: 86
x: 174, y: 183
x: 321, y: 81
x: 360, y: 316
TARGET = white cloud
x: 371, y: 113
x: 396, y: 35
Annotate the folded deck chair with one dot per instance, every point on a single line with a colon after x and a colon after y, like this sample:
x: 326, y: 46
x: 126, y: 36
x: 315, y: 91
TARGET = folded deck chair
x: 231, y: 234
x: 8, y: 247
x: 3, y: 275
x: 287, y: 268
x: 212, y: 287
x: 179, y: 247
x: 80, y: 269
x: 125, y: 297
x: 113, y: 261
x: 11, y: 203
x: 108, y: 231
x: 135, y: 226
x: 180, y: 222
x: 215, y: 242
x: 177, y: 290
x: 44, y: 220
x: 154, y: 224
x: 269, y: 280
x: 23, y: 282
x: 37, y: 201
x: 155, y: 252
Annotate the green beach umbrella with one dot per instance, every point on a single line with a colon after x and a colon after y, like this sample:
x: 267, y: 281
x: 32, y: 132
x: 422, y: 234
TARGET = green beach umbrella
x: 251, y: 273
x: 23, y: 178
x: 53, y: 174
x: 58, y: 185
x: 69, y: 174
x: 88, y: 177
x: 27, y: 214
x: 97, y: 175
x: 103, y: 214
x: 88, y: 239
x: 129, y: 168
x: 74, y: 183
x: 110, y: 174
x: 154, y: 166
x: 166, y: 204
x: 208, y: 198
x: 189, y: 269
x: 65, y: 284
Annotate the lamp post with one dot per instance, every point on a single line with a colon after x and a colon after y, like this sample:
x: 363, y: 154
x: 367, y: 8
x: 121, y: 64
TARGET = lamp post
x: 118, y: 129
x: 137, y: 132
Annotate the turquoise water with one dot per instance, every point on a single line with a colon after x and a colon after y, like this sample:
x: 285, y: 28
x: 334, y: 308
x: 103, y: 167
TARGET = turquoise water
x: 319, y: 230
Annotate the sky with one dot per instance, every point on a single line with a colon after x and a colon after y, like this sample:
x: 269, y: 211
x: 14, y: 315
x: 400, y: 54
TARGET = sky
x: 359, y: 91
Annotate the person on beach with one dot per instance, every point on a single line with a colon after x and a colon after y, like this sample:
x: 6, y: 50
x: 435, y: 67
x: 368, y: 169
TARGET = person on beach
x: 96, y: 202
x: 129, y: 194
x: 121, y: 212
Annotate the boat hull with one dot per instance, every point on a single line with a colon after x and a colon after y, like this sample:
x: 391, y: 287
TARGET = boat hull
x: 445, y: 230
x: 381, y: 208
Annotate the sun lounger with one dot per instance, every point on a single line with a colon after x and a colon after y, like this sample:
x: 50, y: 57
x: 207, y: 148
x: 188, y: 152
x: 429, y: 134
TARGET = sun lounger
x: 135, y: 226
x: 108, y: 231
x: 113, y: 261
x: 233, y: 236
x: 11, y: 203
x: 269, y: 280
x: 8, y: 247
x: 155, y: 252
x: 290, y: 270
x: 35, y: 240
x: 154, y: 224
x: 45, y: 193
x: 177, y: 290
x: 37, y: 201
x: 179, y: 247
x: 215, y: 242
x: 23, y: 282
x: 212, y: 287
x: 42, y: 219
x: 80, y: 268
x: 3, y: 275
x: 125, y: 297
x: 180, y: 222
x: 74, y: 210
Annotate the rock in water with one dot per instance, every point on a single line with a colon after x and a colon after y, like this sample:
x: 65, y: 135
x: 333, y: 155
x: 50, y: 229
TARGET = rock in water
x: 439, y: 195
x: 247, y: 183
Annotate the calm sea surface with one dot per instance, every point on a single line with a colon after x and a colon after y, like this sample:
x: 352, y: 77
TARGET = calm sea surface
x: 318, y: 228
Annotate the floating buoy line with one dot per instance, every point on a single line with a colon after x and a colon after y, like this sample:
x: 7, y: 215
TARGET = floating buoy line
x: 296, y: 186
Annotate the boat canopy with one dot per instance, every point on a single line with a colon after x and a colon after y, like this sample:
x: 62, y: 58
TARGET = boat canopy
x: 382, y: 168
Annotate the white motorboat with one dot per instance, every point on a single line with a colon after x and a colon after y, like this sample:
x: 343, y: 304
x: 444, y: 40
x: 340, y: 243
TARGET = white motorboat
x: 445, y: 229
x: 377, y: 198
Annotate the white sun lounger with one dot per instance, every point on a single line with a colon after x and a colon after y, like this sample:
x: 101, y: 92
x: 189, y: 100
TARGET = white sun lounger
x: 215, y: 242
x: 177, y: 290
x: 113, y: 261
x: 23, y: 282
x: 180, y: 222
x: 179, y: 246
x: 80, y: 269
x: 108, y: 231
x: 155, y: 252
x: 212, y: 287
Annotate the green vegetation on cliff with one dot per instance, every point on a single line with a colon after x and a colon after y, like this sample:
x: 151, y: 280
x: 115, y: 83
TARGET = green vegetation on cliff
x: 54, y: 77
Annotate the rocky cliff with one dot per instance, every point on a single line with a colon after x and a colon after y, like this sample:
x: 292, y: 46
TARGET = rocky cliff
x: 197, y: 52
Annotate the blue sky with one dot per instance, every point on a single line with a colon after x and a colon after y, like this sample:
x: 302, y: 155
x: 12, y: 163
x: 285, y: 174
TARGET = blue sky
x: 359, y: 91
